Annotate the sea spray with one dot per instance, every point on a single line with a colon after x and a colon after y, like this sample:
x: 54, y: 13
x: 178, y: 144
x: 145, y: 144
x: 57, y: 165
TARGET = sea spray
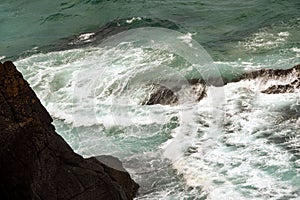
x: 241, y: 160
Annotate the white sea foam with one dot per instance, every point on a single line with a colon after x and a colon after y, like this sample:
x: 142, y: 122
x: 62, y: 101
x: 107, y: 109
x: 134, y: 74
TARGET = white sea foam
x: 85, y: 36
x: 265, y: 39
x: 187, y: 38
x: 95, y: 93
x: 129, y: 21
x: 241, y: 162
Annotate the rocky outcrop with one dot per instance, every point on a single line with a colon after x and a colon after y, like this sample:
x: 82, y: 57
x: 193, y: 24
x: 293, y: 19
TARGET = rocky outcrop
x: 270, y: 73
x: 175, y: 93
x: 161, y: 95
x: 286, y: 88
x: 274, y: 81
x: 36, y: 163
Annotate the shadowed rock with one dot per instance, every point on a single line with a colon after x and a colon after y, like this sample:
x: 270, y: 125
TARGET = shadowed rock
x: 161, y: 95
x: 113, y: 166
x: 36, y: 163
x: 179, y: 93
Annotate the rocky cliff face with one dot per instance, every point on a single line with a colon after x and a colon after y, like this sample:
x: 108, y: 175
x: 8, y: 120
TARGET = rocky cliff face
x: 36, y: 163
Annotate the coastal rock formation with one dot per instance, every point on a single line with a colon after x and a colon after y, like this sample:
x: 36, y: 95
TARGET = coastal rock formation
x: 36, y: 163
x: 161, y: 95
x: 176, y: 93
x: 271, y: 73
x: 272, y: 81
x: 113, y: 166
x: 290, y: 79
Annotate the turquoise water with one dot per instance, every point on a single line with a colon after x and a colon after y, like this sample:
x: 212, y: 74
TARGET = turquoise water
x: 92, y: 74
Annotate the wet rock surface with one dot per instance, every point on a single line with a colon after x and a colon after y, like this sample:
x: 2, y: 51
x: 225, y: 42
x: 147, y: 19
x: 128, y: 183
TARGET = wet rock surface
x: 282, y: 81
x: 173, y: 95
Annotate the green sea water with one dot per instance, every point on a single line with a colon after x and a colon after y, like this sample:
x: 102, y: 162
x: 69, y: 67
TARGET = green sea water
x: 92, y: 78
x: 218, y: 25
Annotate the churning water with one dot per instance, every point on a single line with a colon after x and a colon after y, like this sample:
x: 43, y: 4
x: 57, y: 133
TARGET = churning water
x: 236, y: 143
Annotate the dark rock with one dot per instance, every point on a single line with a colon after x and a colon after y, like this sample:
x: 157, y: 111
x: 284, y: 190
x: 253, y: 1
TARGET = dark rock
x: 113, y: 166
x: 161, y: 95
x: 179, y: 91
x: 284, y: 80
x: 188, y: 91
x: 287, y: 88
x: 36, y: 163
x: 270, y: 74
x: 293, y: 74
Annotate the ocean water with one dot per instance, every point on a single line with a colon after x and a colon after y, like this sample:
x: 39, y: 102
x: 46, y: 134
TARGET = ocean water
x: 92, y: 62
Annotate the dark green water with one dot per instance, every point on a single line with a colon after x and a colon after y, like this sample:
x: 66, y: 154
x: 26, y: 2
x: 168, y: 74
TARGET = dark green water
x: 218, y: 25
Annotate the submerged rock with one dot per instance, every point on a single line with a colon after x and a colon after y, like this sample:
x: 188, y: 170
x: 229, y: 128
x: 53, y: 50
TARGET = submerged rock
x: 36, y: 163
x: 112, y: 28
